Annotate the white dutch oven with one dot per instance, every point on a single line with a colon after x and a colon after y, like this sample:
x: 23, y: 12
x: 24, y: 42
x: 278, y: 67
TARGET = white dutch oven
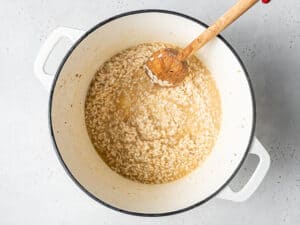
x: 76, y: 151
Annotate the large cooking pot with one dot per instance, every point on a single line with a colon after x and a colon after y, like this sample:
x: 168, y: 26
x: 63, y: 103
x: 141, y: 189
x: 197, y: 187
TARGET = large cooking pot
x: 68, y: 89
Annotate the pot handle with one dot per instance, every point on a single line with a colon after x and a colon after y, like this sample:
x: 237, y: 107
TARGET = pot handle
x: 256, y: 178
x: 49, y: 44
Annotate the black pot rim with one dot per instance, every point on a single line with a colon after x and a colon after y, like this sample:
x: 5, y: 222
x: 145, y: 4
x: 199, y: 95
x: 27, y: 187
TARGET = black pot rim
x: 52, y: 131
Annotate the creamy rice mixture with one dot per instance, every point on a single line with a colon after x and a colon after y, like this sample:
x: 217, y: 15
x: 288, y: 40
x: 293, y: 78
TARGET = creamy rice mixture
x: 149, y: 133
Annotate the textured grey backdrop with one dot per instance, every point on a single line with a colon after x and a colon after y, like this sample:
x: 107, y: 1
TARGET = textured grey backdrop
x: 34, y: 188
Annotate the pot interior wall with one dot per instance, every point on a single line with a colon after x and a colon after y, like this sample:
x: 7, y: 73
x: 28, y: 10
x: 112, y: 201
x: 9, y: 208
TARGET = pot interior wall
x: 74, y: 145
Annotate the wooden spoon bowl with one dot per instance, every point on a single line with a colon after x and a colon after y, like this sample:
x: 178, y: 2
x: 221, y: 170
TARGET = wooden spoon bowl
x: 165, y: 68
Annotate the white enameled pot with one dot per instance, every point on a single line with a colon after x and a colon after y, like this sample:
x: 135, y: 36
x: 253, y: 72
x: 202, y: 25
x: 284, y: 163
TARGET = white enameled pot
x: 76, y: 152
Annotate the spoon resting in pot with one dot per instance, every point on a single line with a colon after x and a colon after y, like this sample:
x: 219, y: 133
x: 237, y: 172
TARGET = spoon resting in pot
x: 167, y: 67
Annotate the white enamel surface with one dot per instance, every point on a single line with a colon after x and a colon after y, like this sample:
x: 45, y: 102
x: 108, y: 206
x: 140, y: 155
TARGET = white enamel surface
x: 258, y: 175
x: 81, y: 158
x: 43, y: 54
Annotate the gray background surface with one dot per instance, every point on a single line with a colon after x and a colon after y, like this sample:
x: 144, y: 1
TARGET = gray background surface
x: 34, y: 188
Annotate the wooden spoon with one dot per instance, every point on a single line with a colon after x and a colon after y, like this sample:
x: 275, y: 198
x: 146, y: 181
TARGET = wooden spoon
x: 167, y: 67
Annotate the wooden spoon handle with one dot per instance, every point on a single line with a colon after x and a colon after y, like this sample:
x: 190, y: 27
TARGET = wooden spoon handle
x: 230, y: 16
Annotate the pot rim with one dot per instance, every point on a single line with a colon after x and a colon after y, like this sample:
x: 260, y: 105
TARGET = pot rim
x: 52, y: 131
